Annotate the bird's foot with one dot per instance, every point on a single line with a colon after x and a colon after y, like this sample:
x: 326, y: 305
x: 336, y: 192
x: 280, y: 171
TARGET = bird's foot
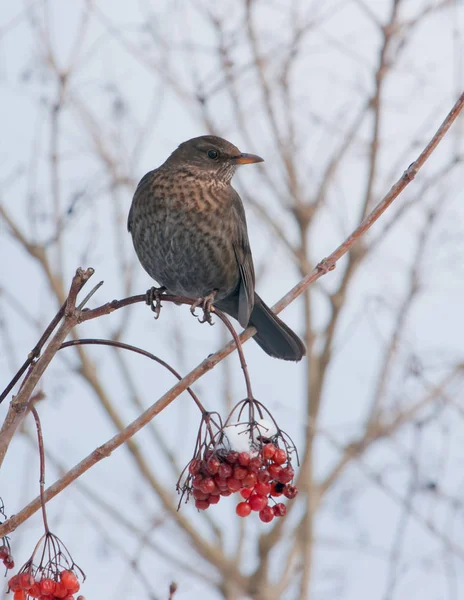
x: 153, y: 299
x: 206, y: 304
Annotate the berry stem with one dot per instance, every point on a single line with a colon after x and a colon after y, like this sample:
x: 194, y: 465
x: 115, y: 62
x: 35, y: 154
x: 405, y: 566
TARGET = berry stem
x: 42, y: 466
x: 123, y: 346
x: 238, y: 343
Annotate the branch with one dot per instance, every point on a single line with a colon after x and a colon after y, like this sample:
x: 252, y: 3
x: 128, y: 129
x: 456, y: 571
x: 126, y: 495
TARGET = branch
x: 19, y: 405
x: 329, y: 263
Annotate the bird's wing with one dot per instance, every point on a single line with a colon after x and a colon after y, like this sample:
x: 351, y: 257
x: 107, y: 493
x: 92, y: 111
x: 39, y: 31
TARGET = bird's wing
x: 245, y: 262
x: 141, y: 186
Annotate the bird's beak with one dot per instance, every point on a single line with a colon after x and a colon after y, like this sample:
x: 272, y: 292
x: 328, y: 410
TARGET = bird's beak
x: 247, y: 159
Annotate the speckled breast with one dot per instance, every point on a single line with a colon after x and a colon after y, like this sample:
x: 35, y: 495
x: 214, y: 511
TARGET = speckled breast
x: 185, y: 242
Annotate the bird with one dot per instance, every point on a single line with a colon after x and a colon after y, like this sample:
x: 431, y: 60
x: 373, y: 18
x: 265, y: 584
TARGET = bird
x: 189, y: 231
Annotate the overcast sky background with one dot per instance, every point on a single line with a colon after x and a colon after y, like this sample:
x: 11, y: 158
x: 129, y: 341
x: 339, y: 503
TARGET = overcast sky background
x: 123, y: 95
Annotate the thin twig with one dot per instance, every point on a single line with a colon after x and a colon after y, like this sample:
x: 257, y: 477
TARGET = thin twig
x: 35, y: 352
x: 42, y: 466
x: 238, y: 343
x: 100, y: 342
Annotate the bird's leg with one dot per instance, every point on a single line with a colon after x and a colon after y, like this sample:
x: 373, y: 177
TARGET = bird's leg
x: 206, y: 304
x: 154, y: 299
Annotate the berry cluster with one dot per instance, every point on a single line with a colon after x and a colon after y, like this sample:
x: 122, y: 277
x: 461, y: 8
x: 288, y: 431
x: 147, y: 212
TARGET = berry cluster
x: 6, y: 556
x: 62, y: 586
x: 258, y: 478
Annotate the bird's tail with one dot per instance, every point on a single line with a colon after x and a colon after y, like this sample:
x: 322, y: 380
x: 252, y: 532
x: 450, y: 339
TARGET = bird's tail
x: 273, y: 335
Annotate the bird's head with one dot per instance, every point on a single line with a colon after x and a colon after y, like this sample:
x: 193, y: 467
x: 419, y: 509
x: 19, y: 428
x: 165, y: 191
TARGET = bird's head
x: 212, y: 156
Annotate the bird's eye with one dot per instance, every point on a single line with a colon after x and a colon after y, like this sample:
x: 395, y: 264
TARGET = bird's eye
x: 213, y: 154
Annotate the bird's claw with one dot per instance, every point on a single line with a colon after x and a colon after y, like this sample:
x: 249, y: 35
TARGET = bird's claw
x: 153, y: 299
x: 206, y: 305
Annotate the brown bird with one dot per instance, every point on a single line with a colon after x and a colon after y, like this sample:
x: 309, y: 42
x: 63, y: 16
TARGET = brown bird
x: 190, y: 234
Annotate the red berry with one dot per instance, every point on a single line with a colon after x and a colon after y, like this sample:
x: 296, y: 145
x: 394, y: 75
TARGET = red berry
x: 233, y: 485
x: 3, y: 552
x: 220, y: 483
x: 243, y: 509
x: 280, y: 456
x: 225, y: 471
x: 263, y: 488
x: 240, y: 473
x: 19, y: 595
x: 244, y: 459
x: 214, y: 498
x: 47, y: 586
x: 255, y: 464
x: 13, y: 584
x: 226, y: 493
x: 250, y: 480
x: 197, y: 481
x: 257, y: 502
x: 201, y: 504
x: 268, y: 451
x: 35, y: 591
x: 61, y: 591
x: 199, y: 494
x: 207, y: 485
x: 274, y: 471
x: 70, y: 597
x: 194, y: 466
x: 232, y: 457
x: 277, y: 489
x: 70, y: 581
x: 245, y: 492
x: 290, y: 491
x: 26, y: 581
x: 263, y: 475
x: 286, y: 475
x: 280, y: 510
x: 9, y: 562
x: 212, y: 466
x: 267, y: 514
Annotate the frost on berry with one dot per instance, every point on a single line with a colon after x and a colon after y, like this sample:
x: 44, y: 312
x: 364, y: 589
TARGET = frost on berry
x: 249, y: 455
x: 54, y: 576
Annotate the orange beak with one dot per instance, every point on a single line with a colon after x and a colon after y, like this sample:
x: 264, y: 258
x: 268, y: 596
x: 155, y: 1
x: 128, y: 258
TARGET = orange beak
x: 247, y: 159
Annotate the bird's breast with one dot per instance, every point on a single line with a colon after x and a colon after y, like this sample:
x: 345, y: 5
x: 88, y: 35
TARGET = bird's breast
x: 185, y: 239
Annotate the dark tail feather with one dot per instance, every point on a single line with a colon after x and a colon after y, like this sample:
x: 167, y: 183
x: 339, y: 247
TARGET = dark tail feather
x: 274, y: 337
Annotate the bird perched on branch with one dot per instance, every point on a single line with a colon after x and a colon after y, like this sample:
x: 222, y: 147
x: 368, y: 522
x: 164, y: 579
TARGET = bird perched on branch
x: 190, y: 234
